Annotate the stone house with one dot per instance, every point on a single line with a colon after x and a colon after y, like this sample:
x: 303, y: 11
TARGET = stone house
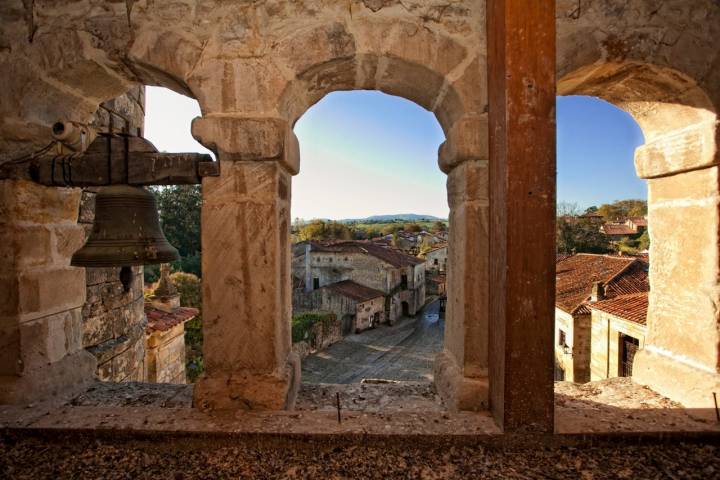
x: 436, y: 259
x: 358, y: 307
x: 619, y: 327
x: 630, y: 227
x: 165, y: 343
x: 400, y: 277
x: 581, y: 280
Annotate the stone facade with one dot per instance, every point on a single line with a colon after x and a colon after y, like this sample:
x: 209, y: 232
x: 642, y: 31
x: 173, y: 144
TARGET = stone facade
x: 572, y: 347
x: 113, y: 320
x: 607, y: 331
x: 255, y: 68
x: 399, y: 276
x: 436, y: 259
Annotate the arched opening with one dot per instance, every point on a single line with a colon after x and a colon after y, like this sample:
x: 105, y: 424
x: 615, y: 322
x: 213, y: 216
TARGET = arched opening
x: 602, y: 243
x: 679, y: 162
x: 369, y: 206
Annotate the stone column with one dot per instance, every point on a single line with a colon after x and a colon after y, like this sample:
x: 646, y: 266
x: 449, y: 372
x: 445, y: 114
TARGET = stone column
x: 681, y: 358
x: 461, y: 369
x: 41, y: 296
x: 246, y: 265
x: 521, y: 61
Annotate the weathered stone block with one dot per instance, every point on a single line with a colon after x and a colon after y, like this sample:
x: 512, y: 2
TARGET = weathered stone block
x: 25, y: 246
x: 242, y: 139
x: 50, y: 291
x: 49, y: 339
x: 468, y: 182
x: 678, y: 152
x: 316, y: 46
x: 24, y: 201
x: 67, y: 240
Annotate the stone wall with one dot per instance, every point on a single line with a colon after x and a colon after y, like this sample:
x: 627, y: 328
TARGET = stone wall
x: 114, y: 320
x: 322, y: 337
x: 165, y: 356
x: 606, y: 330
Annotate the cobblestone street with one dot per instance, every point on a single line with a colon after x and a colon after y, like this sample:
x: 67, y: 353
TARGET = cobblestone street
x: 404, y: 351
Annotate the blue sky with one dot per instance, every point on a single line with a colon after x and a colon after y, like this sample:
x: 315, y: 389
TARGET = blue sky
x: 366, y: 153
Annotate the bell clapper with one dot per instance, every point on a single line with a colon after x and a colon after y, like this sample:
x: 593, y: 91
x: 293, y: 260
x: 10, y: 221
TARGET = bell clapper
x: 126, y: 278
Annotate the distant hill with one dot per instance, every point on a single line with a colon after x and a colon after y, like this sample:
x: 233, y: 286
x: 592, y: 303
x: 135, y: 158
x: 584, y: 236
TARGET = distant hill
x: 403, y: 217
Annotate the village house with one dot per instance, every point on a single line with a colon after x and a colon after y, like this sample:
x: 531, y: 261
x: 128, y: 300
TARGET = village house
x: 165, y: 332
x: 400, y: 277
x: 436, y: 258
x: 619, y: 327
x: 358, y: 307
x: 630, y: 227
x: 581, y: 280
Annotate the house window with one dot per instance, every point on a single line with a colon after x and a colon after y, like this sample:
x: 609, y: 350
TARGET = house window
x: 435, y: 262
x: 562, y: 341
x: 403, y: 281
x: 316, y: 283
x: 628, y: 347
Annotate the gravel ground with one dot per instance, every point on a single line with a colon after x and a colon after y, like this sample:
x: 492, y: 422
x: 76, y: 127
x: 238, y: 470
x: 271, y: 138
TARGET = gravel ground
x: 36, y: 459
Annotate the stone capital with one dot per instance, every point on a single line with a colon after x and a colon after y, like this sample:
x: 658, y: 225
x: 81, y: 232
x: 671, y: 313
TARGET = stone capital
x: 249, y: 139
x: 467, y: 140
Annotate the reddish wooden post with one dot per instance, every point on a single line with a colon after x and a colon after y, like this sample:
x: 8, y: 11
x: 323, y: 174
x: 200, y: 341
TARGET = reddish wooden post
x: 521, y: 68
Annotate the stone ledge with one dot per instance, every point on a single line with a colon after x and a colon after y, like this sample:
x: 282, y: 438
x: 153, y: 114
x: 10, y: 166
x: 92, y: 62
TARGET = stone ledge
x: 457, y: 391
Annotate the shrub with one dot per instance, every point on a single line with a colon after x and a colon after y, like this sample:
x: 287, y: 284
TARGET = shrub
x: 302, y: 325
x: 189, y: 287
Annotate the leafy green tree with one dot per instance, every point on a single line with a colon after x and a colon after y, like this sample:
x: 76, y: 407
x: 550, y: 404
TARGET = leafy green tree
x: 579, y: 235
x: 391, y: 228
x: 412, y: 227
x: 321, y: 230
x: 622, y: 209
x: 439, y: 226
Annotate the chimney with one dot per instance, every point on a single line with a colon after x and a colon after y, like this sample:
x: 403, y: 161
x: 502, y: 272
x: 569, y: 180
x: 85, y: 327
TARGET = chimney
x: 598, y: 292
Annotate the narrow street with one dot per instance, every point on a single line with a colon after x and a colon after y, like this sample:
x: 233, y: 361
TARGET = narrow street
x: 404, y: 351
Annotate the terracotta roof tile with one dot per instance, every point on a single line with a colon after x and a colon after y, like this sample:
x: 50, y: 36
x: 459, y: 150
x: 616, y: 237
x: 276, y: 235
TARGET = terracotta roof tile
x: 576, y: 274
x: 159, y: 320
x: 388, y: 255
x: 631, y: 307
x: 354, y: 290
x: 617, y: 229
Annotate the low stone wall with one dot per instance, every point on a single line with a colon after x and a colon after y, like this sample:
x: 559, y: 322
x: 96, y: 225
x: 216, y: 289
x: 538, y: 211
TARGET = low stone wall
x: 165, y: 356
x: 322, y: 337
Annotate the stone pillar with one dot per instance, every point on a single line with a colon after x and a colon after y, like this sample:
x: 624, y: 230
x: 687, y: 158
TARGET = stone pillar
x: 41, y: 296
x: 681, y: 357
x: 461, y: 370
x: 521, y: 61
x: 246, y: 265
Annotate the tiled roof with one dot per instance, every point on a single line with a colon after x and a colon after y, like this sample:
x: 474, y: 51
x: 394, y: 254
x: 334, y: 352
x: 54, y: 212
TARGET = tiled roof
x: 576, y: 274
x: 353, y: 290
x: 160, y: 321
x: 639, y: 221
x: 438, y: 246
x: 628, y: 307
x: 617, y: 229
x: 388, y: 255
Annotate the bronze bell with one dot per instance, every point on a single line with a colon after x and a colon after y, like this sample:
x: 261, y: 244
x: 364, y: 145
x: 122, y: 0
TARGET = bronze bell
x: 126, y: 232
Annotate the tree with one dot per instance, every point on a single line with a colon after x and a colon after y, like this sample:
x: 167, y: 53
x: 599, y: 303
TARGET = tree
x: 622, y: 209
x: 580, y: 236
x: 567, y: 209
x: 412, y: 227
x: 391, y: 228
x: 179, y: 210
x: 439, y: 226
x: 321, y: 230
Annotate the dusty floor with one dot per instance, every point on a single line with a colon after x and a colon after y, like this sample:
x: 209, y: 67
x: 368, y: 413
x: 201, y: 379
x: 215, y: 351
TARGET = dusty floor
x: 32, y: 458
x: 370, y: 397
x: 404, y: 351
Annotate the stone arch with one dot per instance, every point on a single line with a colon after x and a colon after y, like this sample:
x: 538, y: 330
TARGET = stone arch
x: 680, y: 162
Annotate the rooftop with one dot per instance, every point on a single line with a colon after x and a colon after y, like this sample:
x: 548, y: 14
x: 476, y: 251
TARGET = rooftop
x: 354, y: 290
x: 576, y: 274
x: 632, y: 308
x: 617, y: 229
x: 388, y: 255
x: 161, y: 321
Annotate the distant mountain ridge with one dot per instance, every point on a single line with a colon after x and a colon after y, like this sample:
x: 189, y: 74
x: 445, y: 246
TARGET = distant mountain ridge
x: 404, y: 217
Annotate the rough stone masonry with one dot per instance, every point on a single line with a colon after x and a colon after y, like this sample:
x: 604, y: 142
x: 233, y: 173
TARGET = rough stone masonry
x: 255, y: 68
